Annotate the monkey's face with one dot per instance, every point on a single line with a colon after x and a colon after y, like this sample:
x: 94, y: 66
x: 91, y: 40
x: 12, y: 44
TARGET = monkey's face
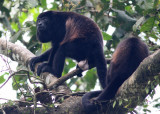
x: 44, y: 29
x: 42, y: 24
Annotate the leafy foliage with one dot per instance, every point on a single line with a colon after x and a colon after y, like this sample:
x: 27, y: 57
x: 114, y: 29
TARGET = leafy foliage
x: 2, y: 79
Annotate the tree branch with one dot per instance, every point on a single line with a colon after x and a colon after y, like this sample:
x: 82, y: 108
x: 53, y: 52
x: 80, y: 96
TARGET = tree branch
x: 23, y: 56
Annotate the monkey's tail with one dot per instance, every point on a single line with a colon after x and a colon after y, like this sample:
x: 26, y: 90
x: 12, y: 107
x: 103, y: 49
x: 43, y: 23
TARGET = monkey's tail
x: 89, y: 105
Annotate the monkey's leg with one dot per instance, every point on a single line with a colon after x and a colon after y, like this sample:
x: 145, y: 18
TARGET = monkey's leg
x: 100, y: 64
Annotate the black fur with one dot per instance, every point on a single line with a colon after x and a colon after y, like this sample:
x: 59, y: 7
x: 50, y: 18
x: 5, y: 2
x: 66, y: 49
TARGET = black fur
x: 126, y: 58
x: 72, y: 35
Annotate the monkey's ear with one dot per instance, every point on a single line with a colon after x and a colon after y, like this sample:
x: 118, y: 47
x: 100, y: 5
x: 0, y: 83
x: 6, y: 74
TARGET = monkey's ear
x: 83, y: 65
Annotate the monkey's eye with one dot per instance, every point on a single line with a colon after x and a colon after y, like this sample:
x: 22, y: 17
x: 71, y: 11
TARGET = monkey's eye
x: 44, y: 19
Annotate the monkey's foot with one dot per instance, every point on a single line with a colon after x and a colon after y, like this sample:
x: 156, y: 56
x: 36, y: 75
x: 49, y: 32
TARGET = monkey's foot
x: 83, y: 65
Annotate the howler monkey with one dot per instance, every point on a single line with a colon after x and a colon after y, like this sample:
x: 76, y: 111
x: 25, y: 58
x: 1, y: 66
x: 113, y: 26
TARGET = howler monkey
x: 72, y: 35
x: 126, y: 58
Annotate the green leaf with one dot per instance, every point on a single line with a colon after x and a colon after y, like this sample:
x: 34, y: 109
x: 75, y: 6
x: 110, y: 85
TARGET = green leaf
x: 125, y: 100
x: 114, y: 104
x: 29, y: 99
x: 35, y: 12
x: 69, y: 63
x: 120, y: 102
x: 46, y: 46
x: 146, y: 110
x: 14, y: 85
x: 129, y: 9
x: 106, y: 36
x: 20, y: 78
x: 156, y: 3
x: 149, y: 82
x: 147, y: 90
x: 131, y: 109
x: 1, y: 33
x: 2, y: 79
x: 55, y: 6
x: 43, y: 3
x: 148, y: 25
x: 145, y: 106
x: 14, y: 26
x: 153, y: 35
x: 22, y: 17
x: 90, y: 78
x: 73, y: 81
x: 157, y: 105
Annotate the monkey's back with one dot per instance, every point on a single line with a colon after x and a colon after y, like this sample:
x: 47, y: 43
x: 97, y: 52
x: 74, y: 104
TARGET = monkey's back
x: 78, y: 26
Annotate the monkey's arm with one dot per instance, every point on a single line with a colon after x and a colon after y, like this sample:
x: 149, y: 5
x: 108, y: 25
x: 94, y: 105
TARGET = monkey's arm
x: 46, y: 56
x: 41, y: 58
x: 55, y: 63
x: 52, y: 54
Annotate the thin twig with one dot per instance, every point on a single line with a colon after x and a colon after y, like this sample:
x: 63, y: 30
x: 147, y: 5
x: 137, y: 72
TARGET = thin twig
x: 68, y: 76
x: 64, y: 78
x: 7, y: 80
x: 32, y: 82
x: 18, y: 86
x: 21, y: 101
x: 111, y: 4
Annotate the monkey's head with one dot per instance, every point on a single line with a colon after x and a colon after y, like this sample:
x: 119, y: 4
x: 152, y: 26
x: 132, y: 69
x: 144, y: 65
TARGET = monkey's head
x: 45, y: 26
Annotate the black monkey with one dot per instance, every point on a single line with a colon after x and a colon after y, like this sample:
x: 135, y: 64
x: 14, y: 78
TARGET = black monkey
x: 126, y: 58
x: 72, y: 35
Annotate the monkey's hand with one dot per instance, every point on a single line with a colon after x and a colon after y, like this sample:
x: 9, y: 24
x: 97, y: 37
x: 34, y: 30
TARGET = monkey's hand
x: 44, y: 67
x: 33, y: 62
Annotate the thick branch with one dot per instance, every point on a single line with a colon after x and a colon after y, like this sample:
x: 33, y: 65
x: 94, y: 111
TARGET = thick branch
x: 134, y: 88
x: 23, y: 56
x: 15, y: 52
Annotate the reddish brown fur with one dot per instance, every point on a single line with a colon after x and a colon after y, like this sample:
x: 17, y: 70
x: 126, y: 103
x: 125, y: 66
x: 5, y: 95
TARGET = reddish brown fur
x: 72, y: 31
